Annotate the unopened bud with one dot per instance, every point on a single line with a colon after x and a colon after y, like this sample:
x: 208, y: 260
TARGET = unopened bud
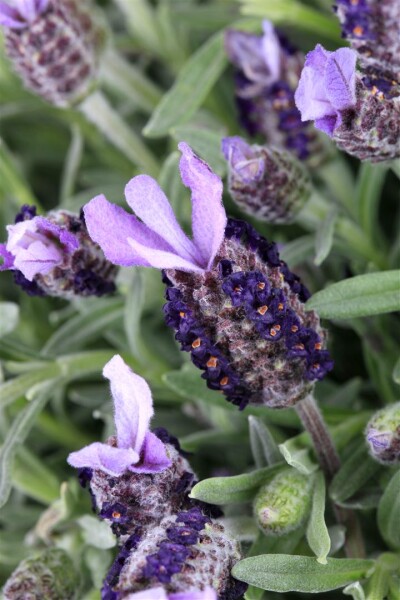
x: 271, y: 185
x: 284, y: 503
x: 55, y: 47
x: 48, y: 576
x: 383, y: 435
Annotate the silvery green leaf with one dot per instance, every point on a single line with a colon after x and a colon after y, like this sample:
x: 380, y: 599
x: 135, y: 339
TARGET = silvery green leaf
x: 355, y: 590
x: 263, y: 446
x: 389, y: 511
x: 297, y: 456
x: 317, y: 532
x: 9, y: 316
x: 357, y: 470
x: 96, y: 533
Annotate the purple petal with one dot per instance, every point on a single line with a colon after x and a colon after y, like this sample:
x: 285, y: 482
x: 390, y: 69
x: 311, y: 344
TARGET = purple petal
x: 10, y: 17
x: 27, y: 8
x: 8, y: 258
x: 152, y: 594
x: 208, y: 213
x: 243, y: 161
x: 317, y: 58
x: 379, y: 439
x: 37, y: 259
x: 327, y: 124
x: 133, y: 404
x: 151, y: 205
x: 109, y: 459
x: 207, y: 594
x: 340, y: 78
x: 111, y: 226
x: 245, y: 50
x: 310, y: 96
x: 41, y: 6
x: 67, y: 239
x: 235, y: 144
x: 154, y: 456
x: 272, y: 50
x: 161, y: 259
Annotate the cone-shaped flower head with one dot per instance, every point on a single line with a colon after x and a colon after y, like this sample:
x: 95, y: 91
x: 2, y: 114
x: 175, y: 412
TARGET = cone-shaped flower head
x: 187, y: 556
x: 268, y: 70
x: 284, y: 503
x: 136, y: 448
x: 234, y: 304
x: 268, y: 184
x: 55, y: 256
x: 383, y: 435
x: 137, y: 475
x: 349, y: 108
x: 54, y: 45
x: 50, y: 575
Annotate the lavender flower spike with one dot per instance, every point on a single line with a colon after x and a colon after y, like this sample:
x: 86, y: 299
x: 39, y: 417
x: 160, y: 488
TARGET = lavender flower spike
x: 157, y: 240
x: 160, y: 594
x: 327, y: 87
x: 21, y: 13
x: 137, y: 449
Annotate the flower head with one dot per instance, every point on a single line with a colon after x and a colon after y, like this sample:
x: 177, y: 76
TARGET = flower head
x: 157, y: 240
x: 21, y: 13
x: 383, y: 435
x: 327, y: 87
x: 137, y: 449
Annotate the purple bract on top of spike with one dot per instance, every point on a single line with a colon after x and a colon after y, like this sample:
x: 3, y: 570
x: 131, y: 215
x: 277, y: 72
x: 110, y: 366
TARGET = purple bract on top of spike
x: 20, y: 13
x: 242, y: 341
x: 137, y: 448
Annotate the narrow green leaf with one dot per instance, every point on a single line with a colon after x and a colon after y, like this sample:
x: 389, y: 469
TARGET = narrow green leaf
x: 11, y: 180
x: 71, y: 164
x: 298, y: 250
x: 19, y: 386
x: 229, y: 490
x: 324, y: 237
x: 263, y: 446
x: 317, y: 531
x: 205, y: 142
x: 96, y: 533
x: 396, y: 372
x: 360, y: 296
x: 33, y: 478
x: 9, y: 316
x: 355, y: 590
x: 190, y: 89
x: 297, y: 456
x: 286, y: 573
x: 358, y: 469
x: 368, y: 192
x: 389, y: 511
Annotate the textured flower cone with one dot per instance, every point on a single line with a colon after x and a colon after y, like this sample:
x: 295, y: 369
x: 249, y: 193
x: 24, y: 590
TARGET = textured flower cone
x: 270, y: 185
x: 57, y: 54
x: 383, y: 435
x: 284, y: 503
x: 186, y: 551
x: 245, y: 324
x: 74, y: 264
x: 371, y: 131
x: 373, y: 30
x: 49, y: 576
x: 139, y: 500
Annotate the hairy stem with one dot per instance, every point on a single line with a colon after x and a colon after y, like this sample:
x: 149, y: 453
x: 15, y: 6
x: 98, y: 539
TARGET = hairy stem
x: 329, y: 460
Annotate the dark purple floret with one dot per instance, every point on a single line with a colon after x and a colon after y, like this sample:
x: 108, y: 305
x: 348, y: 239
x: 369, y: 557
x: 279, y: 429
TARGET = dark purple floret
x: 88, y: 283
x: 234, y: 591
x: 30, y: 287
x: 115, y: 512
x: 26, y: 213
x: 111, y: 580
x: 182, y: 535
x: 84, y: 476
x: 167, y: 438
x: 193, y: 518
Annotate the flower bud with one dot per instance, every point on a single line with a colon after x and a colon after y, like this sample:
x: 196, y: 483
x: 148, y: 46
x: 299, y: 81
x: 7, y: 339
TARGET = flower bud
x: 268, y: 184
x: 383, y: 435
x: 55, y: 256
x: 284, y: 503
x: 50, y: 575
x: 185, y: 551
x: 55, y: 46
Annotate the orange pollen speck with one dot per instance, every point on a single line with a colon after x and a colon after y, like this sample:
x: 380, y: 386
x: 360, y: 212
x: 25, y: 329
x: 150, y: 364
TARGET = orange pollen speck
x: 116, y: 515
x: 281, y: 276
x: 374, y: 90
x: 280, y: 306
x: 294, y: 328
x: 358, y: 30
x: 224, y: 381
x: 196, y: 343
x: 212, y: 362
x: 262, y: 310
x: 318, y: 346
x: 273, y: 332
x: 182, y: 314
x: 316, y: 365
x: 237, y: 289
x: 261, y: 285
x: 277, y: 327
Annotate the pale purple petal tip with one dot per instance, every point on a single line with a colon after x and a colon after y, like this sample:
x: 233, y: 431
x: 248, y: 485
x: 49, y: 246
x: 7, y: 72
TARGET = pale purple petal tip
x: 327, y: 124
x: 133, y: 404
x: 8, y: 258
x: 109, y: 459
x: 154, y: 456
x: 208, y: 214
x: 161, y: 259
x: 66, y: 238
x: 340, y: 78
x: 244, y: 163
x: 380, y: 440
x: 10, y: 17
x: 207, y: 594
x: 271, y: 49
x: 158, y: 593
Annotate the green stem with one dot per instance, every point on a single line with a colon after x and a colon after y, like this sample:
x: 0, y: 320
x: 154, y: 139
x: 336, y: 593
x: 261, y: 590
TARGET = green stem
x: 98, y: 111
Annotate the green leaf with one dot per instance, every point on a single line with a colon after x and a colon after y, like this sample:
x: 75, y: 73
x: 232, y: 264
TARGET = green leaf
x: 204, y: 142
x: 357, y: 470
x: 368, y: 193
x: 33, y: 478
x: 360, y: 296
x: 95, y: 533
x: 229, y: 490
x: 286, y: 573
x: 194, y: 82
x: 9, y: 316
x: 263, y: 446
x: 389, y: 511
x: 355, y: 590
x: 298, y: 250
x: 19, y: 386
x: 317, y: 532
x: 396, y: 372
x: 297, y: 456
x: 324, y: 237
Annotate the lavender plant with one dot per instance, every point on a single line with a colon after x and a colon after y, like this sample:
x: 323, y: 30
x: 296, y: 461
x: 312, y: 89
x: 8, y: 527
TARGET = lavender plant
x: 252, y: 286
